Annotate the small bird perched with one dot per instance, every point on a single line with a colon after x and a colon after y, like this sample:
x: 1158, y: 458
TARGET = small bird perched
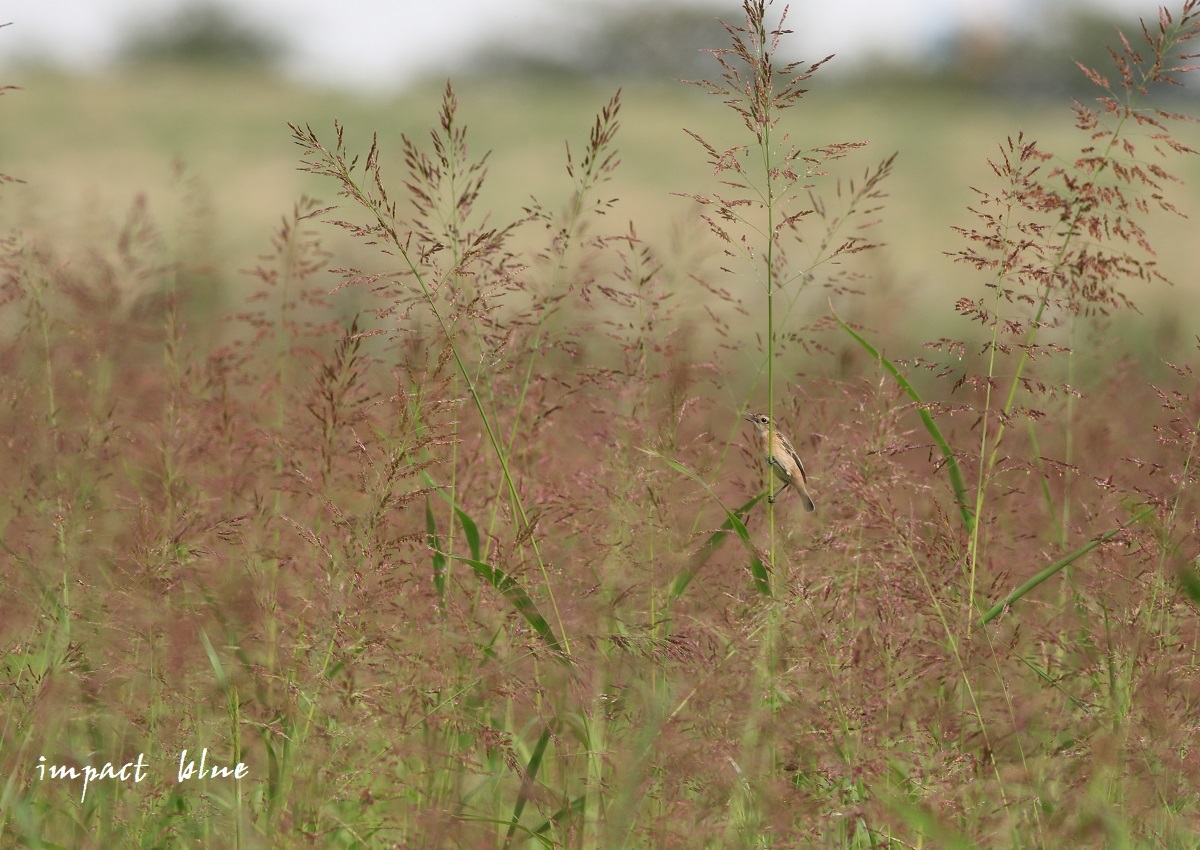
x: 782, y: 459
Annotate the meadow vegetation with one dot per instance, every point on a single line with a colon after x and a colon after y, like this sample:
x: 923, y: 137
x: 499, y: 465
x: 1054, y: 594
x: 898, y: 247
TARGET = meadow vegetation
x: 450, y: 530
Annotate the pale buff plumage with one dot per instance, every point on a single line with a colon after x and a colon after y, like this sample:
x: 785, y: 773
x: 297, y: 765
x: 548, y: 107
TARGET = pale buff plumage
x: 784, y: 461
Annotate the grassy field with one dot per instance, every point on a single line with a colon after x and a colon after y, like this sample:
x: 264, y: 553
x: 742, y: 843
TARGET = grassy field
x: 88, y: 147
x: 434, y: 521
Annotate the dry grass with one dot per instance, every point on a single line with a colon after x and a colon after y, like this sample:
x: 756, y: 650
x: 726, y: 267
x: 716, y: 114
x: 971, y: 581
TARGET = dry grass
x: 471, y: 550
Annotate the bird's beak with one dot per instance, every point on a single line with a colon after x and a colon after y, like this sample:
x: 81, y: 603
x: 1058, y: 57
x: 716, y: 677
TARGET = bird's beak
x: 749, y: 417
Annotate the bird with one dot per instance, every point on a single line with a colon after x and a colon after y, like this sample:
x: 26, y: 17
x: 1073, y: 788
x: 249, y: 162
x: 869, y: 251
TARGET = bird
x: 782, y: 459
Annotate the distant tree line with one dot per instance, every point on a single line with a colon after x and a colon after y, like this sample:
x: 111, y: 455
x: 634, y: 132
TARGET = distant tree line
x: 203, y: 34
x: 665, y: 40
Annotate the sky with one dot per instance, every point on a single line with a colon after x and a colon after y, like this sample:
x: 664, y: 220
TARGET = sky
x: 384, y: 43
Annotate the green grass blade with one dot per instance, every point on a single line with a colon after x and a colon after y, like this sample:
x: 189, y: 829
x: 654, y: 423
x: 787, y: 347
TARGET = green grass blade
x: 1047, y: 496
x: 710, y: 547
x: 573, y: 809
x: 1065, y: 561
x: 213, y: 659
x: 758, y: 570
x: 517, y: 597
x: 1054, y: 683
x: 439, y: 557
x: 531, y: 772
x: 928, y: 825
x: 1189, y: 580
x: 470, y: 530
x: 541, y: 840
x: 955, y: 474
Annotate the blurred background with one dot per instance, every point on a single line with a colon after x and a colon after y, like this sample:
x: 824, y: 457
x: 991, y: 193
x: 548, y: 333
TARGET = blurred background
x: 380, y: 45
x: 128, y: 99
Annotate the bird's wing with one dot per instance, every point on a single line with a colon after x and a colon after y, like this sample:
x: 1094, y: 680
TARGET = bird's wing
x: 787, y: 444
